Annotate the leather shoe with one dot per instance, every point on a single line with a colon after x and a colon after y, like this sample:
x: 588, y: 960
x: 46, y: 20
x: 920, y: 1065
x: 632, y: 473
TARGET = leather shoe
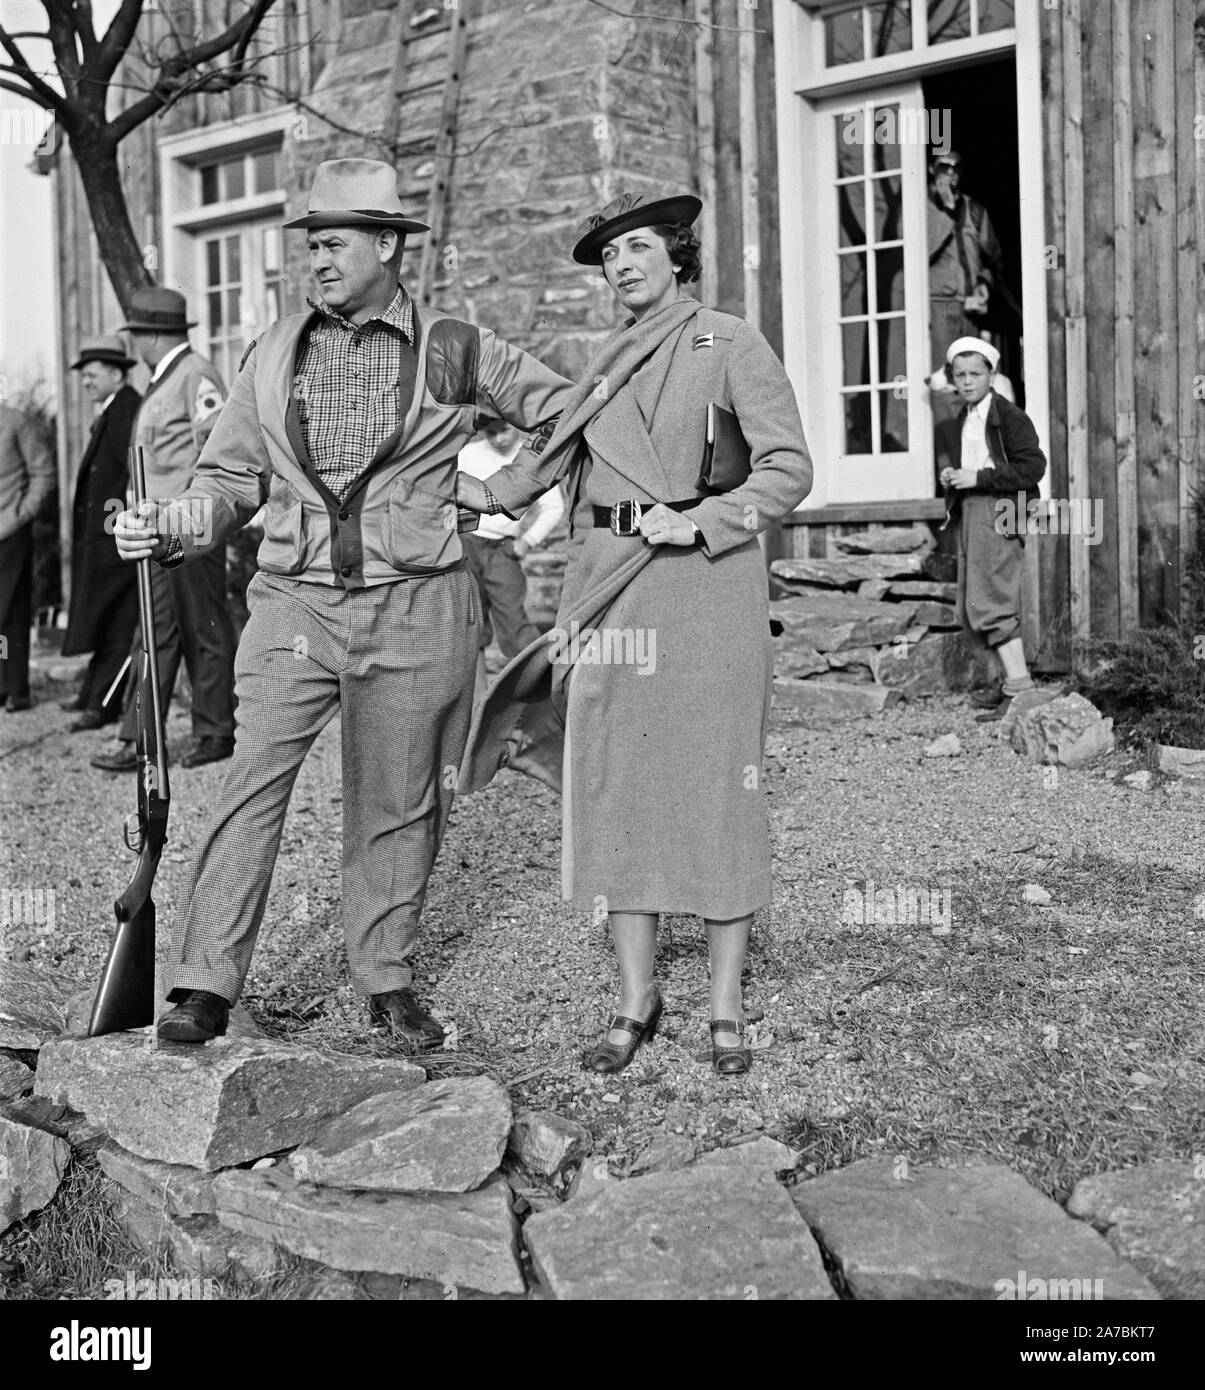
x: 124, y: 758
x: 198, y: 1017
x: 94, y: 719
x: 399, y: 1011
x: 207, y: 750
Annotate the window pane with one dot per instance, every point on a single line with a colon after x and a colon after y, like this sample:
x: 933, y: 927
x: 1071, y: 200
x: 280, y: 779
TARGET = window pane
x: 855, y: 341
x: 890, y: 27
x: 851, y: 200
x: 234, y: 178
x: 996, y: 14
x: 843, y: 38
x: 889, y: 278
x: 266, y: 177
x: 887, y: 208
x: 271, y: 249
x: 233, y: 260
x: 233, y: 308
x: 949, y: 19
x: 853, y: 285
x: 893, y: 359
x: 857, y: 423
x: 209, y: 184
x: 893, y: 423
x: 850, y: 129
x: 213, y: 263
x: 885, y: 137
x: 215, y: 312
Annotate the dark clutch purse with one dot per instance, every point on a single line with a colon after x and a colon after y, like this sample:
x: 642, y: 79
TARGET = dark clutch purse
x: 726, y: 458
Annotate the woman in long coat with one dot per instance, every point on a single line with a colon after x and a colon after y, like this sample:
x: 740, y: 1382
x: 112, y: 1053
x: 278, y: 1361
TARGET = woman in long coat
x: 662, y: 644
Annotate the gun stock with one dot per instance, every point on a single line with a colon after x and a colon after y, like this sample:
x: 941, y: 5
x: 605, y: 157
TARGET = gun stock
x: 125, y: 997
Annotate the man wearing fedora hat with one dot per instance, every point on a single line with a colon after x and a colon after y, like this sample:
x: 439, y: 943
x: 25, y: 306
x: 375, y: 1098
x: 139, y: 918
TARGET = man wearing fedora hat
x: 104, y: 594
x: 192, y: 614
x: 346, y: 421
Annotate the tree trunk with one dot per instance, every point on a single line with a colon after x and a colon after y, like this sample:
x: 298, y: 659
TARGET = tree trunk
x: 96, y: 159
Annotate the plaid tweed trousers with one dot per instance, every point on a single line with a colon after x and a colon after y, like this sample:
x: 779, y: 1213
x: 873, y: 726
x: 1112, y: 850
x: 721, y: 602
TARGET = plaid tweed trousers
x: 398, y: 661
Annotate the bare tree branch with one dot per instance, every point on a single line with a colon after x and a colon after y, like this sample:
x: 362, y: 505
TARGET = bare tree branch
x: 7, y: 86
x: 673, y: 19
x: 117, y: 38
x: 42, y: 92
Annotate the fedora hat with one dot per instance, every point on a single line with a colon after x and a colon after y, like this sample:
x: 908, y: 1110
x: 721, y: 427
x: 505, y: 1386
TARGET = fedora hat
x: 111, y: 350
x: 625, y: 212
x: 158, y: 310
x: 356, y: 193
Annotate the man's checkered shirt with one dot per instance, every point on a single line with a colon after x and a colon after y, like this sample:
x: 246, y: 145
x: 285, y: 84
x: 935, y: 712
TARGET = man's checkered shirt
x: 347, y: 387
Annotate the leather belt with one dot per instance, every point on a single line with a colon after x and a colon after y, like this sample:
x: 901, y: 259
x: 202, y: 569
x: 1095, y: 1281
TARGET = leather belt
x: 623, y: 518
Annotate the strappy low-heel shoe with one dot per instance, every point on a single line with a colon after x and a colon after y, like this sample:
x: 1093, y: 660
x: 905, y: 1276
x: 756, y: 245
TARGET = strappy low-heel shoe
x: 608, y: 1057
x: 729, y: 1061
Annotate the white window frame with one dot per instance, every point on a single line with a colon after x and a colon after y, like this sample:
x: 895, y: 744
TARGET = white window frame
x: 802, y: 81
x: 186, y: 220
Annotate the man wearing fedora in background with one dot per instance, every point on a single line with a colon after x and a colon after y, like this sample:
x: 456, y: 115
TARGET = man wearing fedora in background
x: 104, y: 594
x: 27, y: 479
x: 346, y: 421
x: 192, y: 612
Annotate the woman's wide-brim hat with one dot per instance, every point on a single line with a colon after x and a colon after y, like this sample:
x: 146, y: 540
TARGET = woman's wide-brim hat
x: 625, y: 212
x: 356, y: 193
x: 110, y: 350
x: 158, y: 311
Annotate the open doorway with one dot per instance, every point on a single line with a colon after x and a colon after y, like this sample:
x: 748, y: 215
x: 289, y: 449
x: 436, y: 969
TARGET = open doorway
x: 978, y: 118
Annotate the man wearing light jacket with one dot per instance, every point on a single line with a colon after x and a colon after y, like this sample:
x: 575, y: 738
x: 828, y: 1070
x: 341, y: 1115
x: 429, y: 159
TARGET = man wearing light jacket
x: 27, y: 478
x: 346, y: 421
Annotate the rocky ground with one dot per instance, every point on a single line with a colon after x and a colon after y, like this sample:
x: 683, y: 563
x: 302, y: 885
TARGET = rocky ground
x: 1057, y: 1031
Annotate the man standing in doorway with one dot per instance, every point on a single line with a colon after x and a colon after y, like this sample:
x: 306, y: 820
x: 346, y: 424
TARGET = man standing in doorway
x: 192, y: 613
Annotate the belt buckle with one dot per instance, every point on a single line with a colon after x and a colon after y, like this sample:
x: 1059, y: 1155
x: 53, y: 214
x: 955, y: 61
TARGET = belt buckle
x: 629, y: 512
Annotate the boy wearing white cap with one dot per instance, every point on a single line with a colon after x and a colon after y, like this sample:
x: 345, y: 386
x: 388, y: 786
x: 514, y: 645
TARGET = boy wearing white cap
x: 989, y: 454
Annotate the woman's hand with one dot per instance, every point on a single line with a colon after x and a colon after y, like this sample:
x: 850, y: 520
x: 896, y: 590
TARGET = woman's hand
x: 137, y: 534
x: 470, y: 493
x: 661, y: 526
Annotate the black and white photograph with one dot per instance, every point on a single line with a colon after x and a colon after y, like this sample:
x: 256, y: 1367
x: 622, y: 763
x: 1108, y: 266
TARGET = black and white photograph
x: 602, y: 667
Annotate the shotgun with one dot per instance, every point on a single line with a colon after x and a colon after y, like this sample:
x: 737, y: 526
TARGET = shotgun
x: 125, y: 997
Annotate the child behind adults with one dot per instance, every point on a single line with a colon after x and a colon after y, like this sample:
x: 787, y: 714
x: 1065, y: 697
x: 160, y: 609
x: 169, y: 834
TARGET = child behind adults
x: 992, y: 466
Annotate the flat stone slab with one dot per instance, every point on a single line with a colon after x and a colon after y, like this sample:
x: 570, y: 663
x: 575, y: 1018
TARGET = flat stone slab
x: 1181, y: 762
x: 722, y: 1231
x: 887, y: 540
x: 174, y: 1187
x: 835, y: 699
x: 762, y: 1155
x: 547, y: 1143
x: 199, y: 1245
x: 462, y: 1239
x: 33, y: 1004
x: 228, y: 1101
x: 1153, y: 1216
x: 848, y: 569
x: 901, y: 1231
x: 924, y: 588
x: 446, y: 1136
x: 834, y: 621
x: 32, y: 1163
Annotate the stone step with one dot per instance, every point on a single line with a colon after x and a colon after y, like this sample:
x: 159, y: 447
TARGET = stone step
x: 897, y: 1230
x: 924, y: 588
x: 464, y: 1239
x: 446, y: 1136
x: 834, y: 699
x: 724, y: 1230
x: 230, y: 1101
x: 1154, y: 1217
x: 32, y: 1163
x: 847, y: 570
x: 832, y: 622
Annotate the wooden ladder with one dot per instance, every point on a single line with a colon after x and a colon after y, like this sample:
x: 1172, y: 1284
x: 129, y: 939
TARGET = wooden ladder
x: 417, y: 19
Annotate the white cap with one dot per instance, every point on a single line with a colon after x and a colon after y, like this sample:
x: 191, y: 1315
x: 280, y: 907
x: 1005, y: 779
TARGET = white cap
x: 980, y: 345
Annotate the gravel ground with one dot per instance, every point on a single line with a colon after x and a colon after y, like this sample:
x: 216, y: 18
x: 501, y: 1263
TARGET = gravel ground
x: 1062, y: 1039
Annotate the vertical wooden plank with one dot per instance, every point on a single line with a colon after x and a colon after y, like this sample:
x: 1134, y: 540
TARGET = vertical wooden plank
x: 1155, y: 319
x: 767, y: 124
x: 445, y: 155
x: 730, y: 285
x: 1074, y: 325
x: 1098, y: 312
x: 1123, y: 290
x: 747, y: 113
x: 705, y: 146
x: 1190, y: 168
x: 1054, y: 649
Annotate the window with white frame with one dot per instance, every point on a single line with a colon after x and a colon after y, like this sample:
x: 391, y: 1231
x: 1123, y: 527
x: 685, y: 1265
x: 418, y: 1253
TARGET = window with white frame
x: 860, y: 32
x: 224, y: 203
